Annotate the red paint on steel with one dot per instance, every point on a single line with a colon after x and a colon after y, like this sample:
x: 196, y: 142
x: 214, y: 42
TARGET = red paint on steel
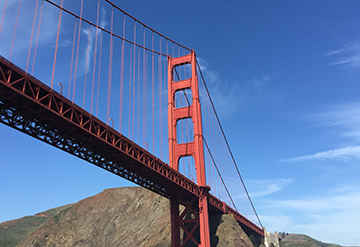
x: 3, y: 13
x: 86, y: 73
x: 138, y: 103
x: 108, y: 118
x: 153, y: 93
x: 195, y: 148
x: 99, y: 76
x: 129, y: 97
x: 31, y: 36
x: 36, y: 37
x: 72, y: 60
x: 144, y: 115
x: 57, y: 45
x: 133, y: 89
x: 122, y: 77
x: 160, y: 83
x: 77, y: 51
x: 15, y: 28
x: 95, y: 59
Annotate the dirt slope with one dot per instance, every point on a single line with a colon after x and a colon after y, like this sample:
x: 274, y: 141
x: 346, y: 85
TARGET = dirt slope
x: 131, y: 217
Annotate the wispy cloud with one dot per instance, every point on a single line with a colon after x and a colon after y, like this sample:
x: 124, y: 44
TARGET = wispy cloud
x: 345, y: 119
x: 339, y: 201
x: 230, y: 95
x: 23, y: 30
x: 91, y: 34
x: 89, y: 48
x: 346, y: 153
x: 258, y: 188
x: 224, y: 94
x: 325, y: 217
x: 265, y: 187
x: 347, y: 55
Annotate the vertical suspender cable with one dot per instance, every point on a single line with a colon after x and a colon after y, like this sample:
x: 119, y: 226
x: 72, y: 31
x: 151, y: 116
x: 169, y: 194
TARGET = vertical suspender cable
x: 72, y: 60
x: 153, y: 93
x: 130, y: 79
x: 138, y: 96
x: 134, y: 87
x: 15, y: 29
x: 36, y: 37
x: 99, y: 75
x: 159, y: 84
x: 32, y: 35
x: 86, y: 72
x: 212, y: 127
x: 110, y: 69
x: 144, y: 92
x: 57, y: 45
x: 122, y: 76
x: 3, y: 13
x: 227, y: 143
x: 77, y: 50
x: 166, y: 83
x: 95, y: 58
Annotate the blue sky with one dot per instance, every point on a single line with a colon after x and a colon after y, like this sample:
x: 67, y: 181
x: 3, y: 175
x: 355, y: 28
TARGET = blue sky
x: 284, y: 77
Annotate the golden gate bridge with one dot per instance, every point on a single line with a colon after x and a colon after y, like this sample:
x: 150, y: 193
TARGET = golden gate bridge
x: 115, y: 92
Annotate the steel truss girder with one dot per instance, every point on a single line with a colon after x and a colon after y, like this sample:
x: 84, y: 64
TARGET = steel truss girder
x: 82, y: 134
x: 28, y: 105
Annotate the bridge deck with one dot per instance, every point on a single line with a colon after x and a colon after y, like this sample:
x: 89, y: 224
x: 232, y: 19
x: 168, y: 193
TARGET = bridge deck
x: 30, y: 106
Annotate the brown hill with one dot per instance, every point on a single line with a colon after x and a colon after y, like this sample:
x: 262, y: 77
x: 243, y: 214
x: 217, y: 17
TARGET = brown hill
x: 300, y: 240
x: 116, y: 217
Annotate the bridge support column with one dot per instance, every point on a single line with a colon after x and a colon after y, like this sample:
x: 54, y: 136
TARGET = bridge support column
x: 204, y: 218
x: 199, y: 217
x: 175, y: 224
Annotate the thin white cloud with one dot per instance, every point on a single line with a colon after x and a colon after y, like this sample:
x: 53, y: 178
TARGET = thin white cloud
x: 339, y: 201
x: 329, y: 218
x: 274, y: 223
x: 344, y: 154
x: 23, y: 30
x: 262, y: 188
x: 259, y: 189
x: 103, y: 21
x: 335, y: 52
x: 229, y: 97
x: 91, y: 34
x: 347, y: 55
x: 345, y: 117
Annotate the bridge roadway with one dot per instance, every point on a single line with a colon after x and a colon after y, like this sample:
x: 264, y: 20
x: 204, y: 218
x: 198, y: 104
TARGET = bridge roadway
x: 28, y: 105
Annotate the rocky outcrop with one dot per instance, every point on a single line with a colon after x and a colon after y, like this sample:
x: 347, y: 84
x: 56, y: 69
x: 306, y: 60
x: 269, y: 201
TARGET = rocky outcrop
x: 229, y: 233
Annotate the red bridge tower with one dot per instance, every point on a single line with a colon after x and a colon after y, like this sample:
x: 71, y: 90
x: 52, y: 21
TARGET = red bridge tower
x: 194, y: 149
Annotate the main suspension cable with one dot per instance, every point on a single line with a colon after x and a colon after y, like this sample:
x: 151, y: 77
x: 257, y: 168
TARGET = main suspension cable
x: 146, y: 26
x: 105, y: 30
x: 210, y: 153
x: 227, y: 143
x: 218, y: 172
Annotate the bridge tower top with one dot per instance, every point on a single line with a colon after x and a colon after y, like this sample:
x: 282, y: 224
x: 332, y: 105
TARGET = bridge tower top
x: 192, y: 111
